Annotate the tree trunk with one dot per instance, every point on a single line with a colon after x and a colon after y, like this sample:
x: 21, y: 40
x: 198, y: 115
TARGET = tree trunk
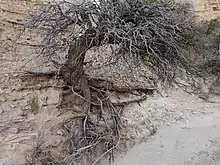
x: 72, y: 70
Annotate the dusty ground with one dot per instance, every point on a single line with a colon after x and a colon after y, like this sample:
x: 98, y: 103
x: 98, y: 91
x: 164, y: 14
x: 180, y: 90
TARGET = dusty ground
x: 188, y: 142
x: 28, y: 105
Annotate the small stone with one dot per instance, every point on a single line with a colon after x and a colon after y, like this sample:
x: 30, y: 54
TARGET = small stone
x: 12, y: 106
x: 60, y: 132
x: 6, y: 75
x: 168, y: 124
x: 15, y: 75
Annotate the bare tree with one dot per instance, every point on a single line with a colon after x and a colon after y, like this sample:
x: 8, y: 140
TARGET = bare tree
x: 156, y: 34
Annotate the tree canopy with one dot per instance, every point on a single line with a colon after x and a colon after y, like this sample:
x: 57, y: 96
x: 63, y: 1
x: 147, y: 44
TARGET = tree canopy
x: 155, y: 33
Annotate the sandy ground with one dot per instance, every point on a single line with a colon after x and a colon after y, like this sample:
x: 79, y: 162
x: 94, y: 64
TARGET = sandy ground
x: 194, y: 142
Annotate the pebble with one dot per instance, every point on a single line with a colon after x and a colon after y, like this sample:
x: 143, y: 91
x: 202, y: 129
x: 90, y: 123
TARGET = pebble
x: 15, y: 75
x: 6, y: 75
x: 168, y: 124
x: 12, y: 106
x: 60, y: 132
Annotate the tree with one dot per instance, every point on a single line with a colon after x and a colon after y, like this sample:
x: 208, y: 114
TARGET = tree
x: 157, y: 34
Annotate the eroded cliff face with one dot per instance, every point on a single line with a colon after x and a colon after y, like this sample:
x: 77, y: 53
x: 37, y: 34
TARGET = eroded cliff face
x: 12, y: 18
x: 206, y: 9
x: 19, y: 126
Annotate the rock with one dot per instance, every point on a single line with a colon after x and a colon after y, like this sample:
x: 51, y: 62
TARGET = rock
x: 13, y: 130
x: 44, y: 101
x: 168, y: 124
x: 60, y: 132
x: 12, y: 106
x: 15, y: 75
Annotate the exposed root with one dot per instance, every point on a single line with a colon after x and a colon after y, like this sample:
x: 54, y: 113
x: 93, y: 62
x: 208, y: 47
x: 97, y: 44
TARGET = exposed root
x: 94, y: 134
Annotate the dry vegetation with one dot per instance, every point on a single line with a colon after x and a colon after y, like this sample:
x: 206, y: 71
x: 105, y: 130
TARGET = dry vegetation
x: 156, y: 34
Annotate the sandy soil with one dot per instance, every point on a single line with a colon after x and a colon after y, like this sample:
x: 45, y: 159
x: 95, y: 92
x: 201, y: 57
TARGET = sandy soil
x: 193, y: 142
